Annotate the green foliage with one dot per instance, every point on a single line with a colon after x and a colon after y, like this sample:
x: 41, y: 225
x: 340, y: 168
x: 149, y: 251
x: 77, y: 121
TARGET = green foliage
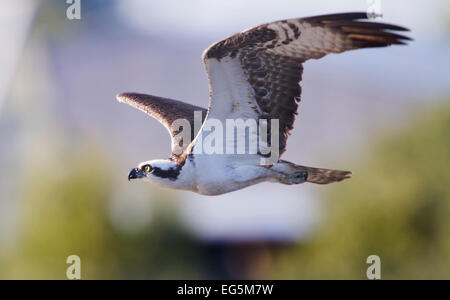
x: 65, y: 212
x: 396, y: 206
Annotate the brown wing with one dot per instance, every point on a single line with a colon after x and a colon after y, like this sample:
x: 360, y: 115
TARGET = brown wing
x: 165, y: 111
x: 271, y: 58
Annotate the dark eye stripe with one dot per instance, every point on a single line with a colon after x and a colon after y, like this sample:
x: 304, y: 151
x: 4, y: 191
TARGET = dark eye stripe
x: 171, y: 174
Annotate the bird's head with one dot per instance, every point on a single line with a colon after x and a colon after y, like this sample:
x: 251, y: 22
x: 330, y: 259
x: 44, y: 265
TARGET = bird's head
x: 161, y: 170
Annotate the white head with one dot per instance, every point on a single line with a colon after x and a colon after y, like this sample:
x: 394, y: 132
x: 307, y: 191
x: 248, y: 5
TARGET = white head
x: 161, y: 170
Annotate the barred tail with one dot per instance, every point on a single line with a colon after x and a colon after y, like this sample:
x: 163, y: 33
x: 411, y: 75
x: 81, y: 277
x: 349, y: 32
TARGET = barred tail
x: 323, y: 176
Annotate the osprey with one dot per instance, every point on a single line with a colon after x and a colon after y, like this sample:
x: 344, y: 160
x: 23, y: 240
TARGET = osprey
x: 254, y: 75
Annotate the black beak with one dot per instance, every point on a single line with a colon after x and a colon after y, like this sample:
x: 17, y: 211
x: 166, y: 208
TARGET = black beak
x: 135, y: 173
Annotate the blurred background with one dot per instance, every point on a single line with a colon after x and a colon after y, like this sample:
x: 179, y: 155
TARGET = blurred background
x: 66, y: 146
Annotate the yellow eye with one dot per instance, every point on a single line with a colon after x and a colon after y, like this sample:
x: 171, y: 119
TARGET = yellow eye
x: 147, y: 168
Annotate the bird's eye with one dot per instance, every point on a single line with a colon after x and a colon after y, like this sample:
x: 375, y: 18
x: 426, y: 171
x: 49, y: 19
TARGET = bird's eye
x: 147, y: 168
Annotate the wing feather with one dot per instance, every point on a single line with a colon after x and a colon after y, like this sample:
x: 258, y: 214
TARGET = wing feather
x: 165, y: 110
x: 266, y: 63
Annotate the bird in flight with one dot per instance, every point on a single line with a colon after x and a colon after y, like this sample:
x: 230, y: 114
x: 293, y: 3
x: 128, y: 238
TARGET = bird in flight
x: 253, y: 75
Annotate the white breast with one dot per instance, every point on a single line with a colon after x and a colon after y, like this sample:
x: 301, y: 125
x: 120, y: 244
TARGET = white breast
x: 217, y: 174
x: 232, y: 97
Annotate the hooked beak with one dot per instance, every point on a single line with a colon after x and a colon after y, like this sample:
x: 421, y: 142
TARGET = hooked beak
x: 135, y: 173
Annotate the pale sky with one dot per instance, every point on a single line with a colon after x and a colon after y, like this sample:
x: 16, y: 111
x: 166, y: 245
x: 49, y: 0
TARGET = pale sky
x: 211, y: 17
x: 242, y: 214
x: 15, y: 19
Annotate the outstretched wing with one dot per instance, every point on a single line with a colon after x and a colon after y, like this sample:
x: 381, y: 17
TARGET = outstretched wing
x: 256, y: 73
x: 166, y: 111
